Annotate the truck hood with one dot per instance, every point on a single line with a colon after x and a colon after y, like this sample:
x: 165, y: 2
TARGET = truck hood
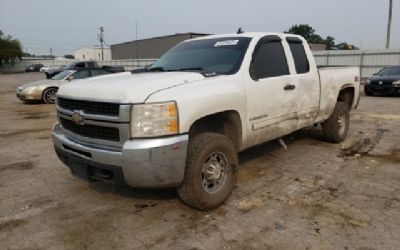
x: 126, y: 87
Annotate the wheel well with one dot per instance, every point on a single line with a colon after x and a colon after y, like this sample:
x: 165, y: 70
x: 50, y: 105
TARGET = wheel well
x: 47, y: 89
x: 227, y: 123
x: 346, y: 95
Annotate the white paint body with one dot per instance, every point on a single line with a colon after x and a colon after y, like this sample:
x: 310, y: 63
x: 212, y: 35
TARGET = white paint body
x: 278, y: 111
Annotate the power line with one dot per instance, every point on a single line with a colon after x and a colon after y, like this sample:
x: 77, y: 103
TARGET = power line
x: 389, y: 26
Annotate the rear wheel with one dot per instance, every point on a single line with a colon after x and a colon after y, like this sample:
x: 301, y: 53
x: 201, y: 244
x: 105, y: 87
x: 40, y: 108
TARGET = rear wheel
x: 49, y: 95
x: 210, y: 173
x: 335, y: 129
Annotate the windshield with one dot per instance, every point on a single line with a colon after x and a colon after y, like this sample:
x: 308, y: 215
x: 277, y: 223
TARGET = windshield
x: 221, y: 56
x: 393, y: 71
x: 62, y: 75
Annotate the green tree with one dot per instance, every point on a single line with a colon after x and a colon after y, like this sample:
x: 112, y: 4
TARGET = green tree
x: 346, y: 46
x: 69, y: 56
x: 330, y: 43
x: 307, y: 32
x: 10, y: 49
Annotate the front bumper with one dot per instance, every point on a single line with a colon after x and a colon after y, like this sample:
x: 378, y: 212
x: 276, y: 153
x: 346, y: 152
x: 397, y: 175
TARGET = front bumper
x: 144, y: 163
x: 382, y: 89
x: 24, y: 95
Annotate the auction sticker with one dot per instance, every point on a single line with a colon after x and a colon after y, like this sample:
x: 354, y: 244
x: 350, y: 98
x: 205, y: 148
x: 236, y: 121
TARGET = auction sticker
x: 226, y: 43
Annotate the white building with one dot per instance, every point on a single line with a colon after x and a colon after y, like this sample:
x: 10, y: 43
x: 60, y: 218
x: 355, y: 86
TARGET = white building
x: 92, y: 53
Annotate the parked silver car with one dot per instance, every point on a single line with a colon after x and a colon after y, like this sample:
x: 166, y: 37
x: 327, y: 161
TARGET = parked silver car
x: 45, y: 90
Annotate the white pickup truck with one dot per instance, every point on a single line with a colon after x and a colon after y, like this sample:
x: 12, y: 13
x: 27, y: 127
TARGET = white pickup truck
x: 183, y: 121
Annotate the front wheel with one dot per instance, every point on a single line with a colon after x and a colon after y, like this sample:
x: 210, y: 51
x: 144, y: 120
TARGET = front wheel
x: 210, y: 173
x: 49, y: 95
x: 335, y: 129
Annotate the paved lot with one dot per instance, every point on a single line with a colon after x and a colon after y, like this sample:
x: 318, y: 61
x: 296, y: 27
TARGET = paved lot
x: 314, y: 195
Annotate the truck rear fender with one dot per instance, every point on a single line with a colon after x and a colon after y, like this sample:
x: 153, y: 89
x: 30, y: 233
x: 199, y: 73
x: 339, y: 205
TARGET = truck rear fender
x: 345, y: 94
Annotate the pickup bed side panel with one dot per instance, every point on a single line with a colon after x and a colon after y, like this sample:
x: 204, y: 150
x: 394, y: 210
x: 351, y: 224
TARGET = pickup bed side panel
x: 332, y: 81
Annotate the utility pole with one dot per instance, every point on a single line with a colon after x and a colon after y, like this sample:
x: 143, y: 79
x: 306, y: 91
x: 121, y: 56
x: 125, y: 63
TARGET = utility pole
x: 101, y: 38
x: 389, y: 26
x: 137, y: 43
x: 51, y: 51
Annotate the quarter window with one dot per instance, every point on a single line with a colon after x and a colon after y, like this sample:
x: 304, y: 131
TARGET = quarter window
x: 269, y: 61
x: 299, y: 57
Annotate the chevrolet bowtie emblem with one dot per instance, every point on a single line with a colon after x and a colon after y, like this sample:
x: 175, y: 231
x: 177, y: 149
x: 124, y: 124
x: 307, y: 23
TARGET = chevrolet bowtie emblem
x: 78, y: 117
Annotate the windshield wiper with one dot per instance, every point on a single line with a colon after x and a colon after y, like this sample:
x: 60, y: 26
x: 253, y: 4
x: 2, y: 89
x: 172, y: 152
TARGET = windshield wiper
x: 189, y: 69
x: 156, y: 69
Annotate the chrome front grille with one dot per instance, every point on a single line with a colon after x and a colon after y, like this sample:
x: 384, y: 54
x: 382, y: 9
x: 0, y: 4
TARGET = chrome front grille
x: 94, y: 122
x: 95, y: 108
x: 91, y: 131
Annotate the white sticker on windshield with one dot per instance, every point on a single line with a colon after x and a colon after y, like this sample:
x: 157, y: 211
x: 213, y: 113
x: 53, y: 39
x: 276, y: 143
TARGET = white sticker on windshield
x: 226, y: 43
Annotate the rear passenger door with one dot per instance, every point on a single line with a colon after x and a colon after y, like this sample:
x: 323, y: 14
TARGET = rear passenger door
x: 306, y: 81
x: 271, y: 93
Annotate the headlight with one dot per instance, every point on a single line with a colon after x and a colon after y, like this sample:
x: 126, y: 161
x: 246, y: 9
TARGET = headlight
x: 396, y: 83
x: 368, y: 81
x: 30, y: 89
x: 154, y: 119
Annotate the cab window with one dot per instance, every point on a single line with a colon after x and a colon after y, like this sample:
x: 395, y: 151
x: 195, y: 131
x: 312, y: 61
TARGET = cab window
x: 81, y: 74
x: 269, y: 60
x: 299, y: 55
x: 99, y: 72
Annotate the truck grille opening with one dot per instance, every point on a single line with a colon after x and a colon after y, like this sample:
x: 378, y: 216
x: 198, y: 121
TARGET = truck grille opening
x: 95, y: 108
x: 91, y: 131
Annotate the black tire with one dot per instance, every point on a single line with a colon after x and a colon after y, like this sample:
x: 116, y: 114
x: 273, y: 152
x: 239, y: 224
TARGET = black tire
x: 196, y: 189
x: 367, y: 92
x: 335, y: 129
x: 49, y: 95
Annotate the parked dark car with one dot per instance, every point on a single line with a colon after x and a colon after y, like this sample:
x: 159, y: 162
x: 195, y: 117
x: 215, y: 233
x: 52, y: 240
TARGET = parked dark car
x: 33, y: 67
x: 385, y: 82
x: 82, y: 65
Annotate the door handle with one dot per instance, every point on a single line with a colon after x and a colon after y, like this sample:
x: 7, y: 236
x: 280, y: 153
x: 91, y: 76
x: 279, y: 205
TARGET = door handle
x: 289, y: 87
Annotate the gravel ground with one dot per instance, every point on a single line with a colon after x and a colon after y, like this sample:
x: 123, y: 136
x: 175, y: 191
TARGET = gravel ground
x: 314, y: 195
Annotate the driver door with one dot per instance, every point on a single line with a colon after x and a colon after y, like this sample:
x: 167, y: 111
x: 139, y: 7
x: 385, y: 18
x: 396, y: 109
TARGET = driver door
x: 271, y: 92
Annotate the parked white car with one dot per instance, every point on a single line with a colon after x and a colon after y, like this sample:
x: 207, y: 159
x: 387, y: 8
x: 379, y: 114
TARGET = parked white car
x: 45, y: 90
x: 182, y: 122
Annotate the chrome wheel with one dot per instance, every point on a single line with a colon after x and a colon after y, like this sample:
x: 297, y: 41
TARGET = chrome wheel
x: 49, y: 96
x: 342, y: 122
x: 214, y: 172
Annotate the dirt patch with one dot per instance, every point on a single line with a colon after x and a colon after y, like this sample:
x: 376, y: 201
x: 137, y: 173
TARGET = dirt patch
x: 363, y: 146
x: 19, y: 132
x: 22, y: 165
x: 11, y: 224
x: 37, y: 116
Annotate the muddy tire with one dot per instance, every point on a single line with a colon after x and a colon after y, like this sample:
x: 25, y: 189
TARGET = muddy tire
x: 49, y: 95
x: 210, y: 173
x: 335, y: 129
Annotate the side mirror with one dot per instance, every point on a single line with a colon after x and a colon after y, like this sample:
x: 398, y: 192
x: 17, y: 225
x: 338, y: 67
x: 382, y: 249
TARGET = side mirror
x: 70, y: 78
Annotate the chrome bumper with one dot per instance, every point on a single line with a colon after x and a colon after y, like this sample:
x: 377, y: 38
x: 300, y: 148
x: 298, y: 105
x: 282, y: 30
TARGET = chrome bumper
x: 145, y: 163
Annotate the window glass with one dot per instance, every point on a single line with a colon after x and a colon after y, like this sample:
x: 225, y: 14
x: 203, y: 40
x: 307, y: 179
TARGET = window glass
x: 391, y: 71
x: 299, y: 57
x: 270, y: 61
x: 81, y: 74
x: 80, y: 65
x: 218, y: 55
x: 99, y: 72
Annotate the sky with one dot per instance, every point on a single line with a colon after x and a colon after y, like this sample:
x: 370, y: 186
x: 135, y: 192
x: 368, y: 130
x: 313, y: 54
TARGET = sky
x: 67, y: 25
